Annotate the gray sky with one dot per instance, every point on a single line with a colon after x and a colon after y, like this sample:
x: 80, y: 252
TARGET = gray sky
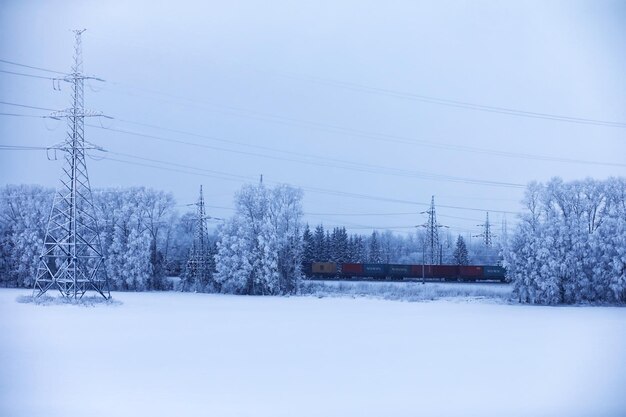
x: 298, y: 90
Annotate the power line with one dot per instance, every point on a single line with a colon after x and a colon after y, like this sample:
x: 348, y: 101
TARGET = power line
x: 318, y: 190
x: 426, y: 98
x: 241, y: 178
x: 319, y: 161
x: 32, y: 67
x: 400, y: 139
x: 218, y: 174
x: 355, y: 132
x: 455, y: 103
x: 418, y: 97
x: 352, y: 225
x: 267, y: 117
x: 26, y: 115
x: 22, y: 148
x: 26, y: 106
x: 26, y: 75
x: 364, y: 214
x: 405, y: 213
x: 173, y: 169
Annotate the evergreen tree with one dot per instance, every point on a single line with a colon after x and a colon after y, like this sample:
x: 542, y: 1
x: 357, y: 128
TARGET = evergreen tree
x: 351, y: 249
x: 460, y: 255
x: 375, y: 255
x: 319, y: 243
x: 309, y: 246
x: 328, y: 248
x: 339, y: 245
x: 360, y: 254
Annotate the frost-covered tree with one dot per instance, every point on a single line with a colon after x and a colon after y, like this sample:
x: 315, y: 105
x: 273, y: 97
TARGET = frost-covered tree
x: 569, y: 245
x: 137, y: 263
x: 609, y: 245
x: 260, y: 249
x: 234, y: 260
x: 125, y: 217
x: 389, y: 246
x: 24, y: 211
x: 130, y: 220
x: 285, y: 218
x: 158, y: 216
x: 180, y: 243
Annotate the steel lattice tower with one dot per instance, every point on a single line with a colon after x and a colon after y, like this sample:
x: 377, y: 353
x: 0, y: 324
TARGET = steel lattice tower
x: 198, y: 269
x: 486, y: 234
x: 72, y: 258
x: 433, y: 251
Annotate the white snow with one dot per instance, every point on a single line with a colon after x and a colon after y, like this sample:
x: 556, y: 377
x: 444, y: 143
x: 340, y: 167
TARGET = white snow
x: 175, y: 354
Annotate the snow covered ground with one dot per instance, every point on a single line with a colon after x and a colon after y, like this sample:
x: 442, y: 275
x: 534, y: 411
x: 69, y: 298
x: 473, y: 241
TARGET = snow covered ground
x: 173, y: 354
x: 410, y: 290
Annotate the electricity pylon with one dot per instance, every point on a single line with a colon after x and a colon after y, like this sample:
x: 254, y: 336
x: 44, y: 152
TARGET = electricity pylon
x: 505, y: 233
x: 198, y: 268
x: 486, y: 234
x: 72, y: 259
x: 433, y: 251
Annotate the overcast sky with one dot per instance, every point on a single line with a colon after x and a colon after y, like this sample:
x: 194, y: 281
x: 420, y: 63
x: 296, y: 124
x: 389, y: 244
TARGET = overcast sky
x: 335, y: 96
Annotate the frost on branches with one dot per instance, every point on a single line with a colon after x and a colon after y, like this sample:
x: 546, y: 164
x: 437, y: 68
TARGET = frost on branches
x: 134, y: 229
x: 570, y: 246
x: 260, y: 249
x: 24, y: 211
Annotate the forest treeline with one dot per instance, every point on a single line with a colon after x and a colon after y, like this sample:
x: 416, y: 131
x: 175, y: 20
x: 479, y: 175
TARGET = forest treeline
x: 146, y: 238
x: 569, y: 245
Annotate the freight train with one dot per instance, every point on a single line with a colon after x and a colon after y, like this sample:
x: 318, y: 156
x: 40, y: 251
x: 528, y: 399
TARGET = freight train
x: 397, y: 272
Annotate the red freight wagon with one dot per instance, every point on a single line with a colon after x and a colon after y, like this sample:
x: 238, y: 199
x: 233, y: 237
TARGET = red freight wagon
x: 416, y: 271
x: 445, y: 271
x: 471, y: 271
x: 352, y: 269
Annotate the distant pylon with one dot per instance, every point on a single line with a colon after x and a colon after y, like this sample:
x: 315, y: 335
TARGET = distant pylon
x: 505, y: 232
x: 198, y: 269
x: 433, y: 251
x: 72, y: 258
x: 486, y: 234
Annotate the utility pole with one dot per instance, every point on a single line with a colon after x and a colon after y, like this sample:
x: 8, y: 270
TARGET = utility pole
x: 72, y: 259
x: 433, y: 254
x: 486, y: 234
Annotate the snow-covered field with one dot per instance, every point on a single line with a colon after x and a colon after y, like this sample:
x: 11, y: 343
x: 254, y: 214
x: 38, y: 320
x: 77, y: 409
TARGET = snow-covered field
x: 410, y: 290
x: 173, y: 354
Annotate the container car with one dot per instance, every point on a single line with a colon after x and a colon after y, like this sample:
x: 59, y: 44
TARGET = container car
x: 324, y: 268
x: 399, y: 272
